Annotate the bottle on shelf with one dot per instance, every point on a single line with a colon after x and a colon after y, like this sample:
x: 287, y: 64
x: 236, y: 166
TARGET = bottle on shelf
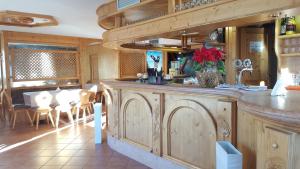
x: 283, y: 25
x: 291, y: 25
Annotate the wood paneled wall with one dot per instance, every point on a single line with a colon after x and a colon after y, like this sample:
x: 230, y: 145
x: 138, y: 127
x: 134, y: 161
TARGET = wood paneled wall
x: 30, y: 38
x: 108, y: 63
x: 98, y: 62
x: 111, y: 64
x: 85, y: 62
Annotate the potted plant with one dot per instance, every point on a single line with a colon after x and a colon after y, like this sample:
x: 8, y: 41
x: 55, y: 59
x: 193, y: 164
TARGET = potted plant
x: 209, y: 66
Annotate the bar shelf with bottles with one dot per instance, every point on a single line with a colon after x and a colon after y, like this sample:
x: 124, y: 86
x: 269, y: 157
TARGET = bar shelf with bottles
x: 289, y: 38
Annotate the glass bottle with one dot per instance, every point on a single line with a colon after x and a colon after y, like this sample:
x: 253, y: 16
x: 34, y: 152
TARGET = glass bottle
x: 283, y: 25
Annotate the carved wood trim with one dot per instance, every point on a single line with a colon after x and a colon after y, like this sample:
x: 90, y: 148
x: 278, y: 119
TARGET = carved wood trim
x: 112, y: 104
x: 158, y: 114
x: 226, y: 118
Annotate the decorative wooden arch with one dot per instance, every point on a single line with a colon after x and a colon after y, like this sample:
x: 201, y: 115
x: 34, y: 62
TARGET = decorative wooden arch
x: 147, y: 108
x: 169, y: 116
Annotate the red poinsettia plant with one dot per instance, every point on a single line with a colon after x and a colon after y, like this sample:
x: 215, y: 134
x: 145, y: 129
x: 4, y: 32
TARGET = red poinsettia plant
x: 205, y: 58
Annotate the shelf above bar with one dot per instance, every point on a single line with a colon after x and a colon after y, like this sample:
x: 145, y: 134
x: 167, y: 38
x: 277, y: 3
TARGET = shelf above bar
x: 290, y: 54
x: 297, y: 35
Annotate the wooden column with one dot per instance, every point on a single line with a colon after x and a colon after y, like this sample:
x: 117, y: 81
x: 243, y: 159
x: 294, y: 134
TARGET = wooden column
x: 2, y: 60
x: 5, y: 61
x: 118, y: 21
x: 171, y: 6
x: 232, y: 53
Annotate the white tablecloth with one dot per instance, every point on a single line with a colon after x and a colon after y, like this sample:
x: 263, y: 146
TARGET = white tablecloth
x: 45, y: 98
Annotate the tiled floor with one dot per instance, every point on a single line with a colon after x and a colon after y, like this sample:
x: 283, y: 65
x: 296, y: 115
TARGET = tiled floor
x: 24, y: 131
x: 71, y: 148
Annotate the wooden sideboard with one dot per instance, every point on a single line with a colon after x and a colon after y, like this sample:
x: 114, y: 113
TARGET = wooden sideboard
x: 182, y: 124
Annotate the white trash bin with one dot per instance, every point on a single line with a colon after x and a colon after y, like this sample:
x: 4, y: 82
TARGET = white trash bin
x: 227, y: 156
x: 98, y: 122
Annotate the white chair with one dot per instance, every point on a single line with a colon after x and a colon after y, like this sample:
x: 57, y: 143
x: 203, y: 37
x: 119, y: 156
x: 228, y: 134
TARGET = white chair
x: 43, y: 100
x: 63, y: 99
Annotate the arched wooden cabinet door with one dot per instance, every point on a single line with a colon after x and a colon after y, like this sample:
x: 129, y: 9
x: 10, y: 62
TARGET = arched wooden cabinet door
x: 189, y: 134
x: 136, y: 120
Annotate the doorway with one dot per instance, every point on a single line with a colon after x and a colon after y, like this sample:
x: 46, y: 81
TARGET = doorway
x: 257, y: 44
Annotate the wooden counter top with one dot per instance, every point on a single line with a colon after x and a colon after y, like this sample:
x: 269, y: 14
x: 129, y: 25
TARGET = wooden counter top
x: 282, y: 109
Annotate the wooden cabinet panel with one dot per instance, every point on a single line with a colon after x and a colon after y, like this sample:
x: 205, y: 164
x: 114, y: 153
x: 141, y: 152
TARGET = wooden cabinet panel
x: 246, y: 138
x: 191, y: 134
x: 191, y: 127
x: 226, y: 120
x: 137, y: 120
x: 275, y: 148
x: 140, y: 119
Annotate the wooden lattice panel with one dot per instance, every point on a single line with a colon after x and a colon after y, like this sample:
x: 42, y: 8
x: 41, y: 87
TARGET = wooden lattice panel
x: 31, y: 64
x: 131, y: 64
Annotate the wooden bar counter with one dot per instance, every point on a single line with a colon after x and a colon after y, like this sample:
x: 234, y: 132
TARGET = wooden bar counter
x: 178, y: 126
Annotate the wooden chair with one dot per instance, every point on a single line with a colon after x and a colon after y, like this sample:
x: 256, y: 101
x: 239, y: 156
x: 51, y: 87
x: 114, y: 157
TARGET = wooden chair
x: 92, y: 100
x: 15, y: 109
x: 43, y: 108
x: 84, y: 105
x: 2, y: 112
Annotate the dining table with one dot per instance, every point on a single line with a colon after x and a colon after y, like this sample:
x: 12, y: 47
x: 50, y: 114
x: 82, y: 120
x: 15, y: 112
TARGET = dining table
x: 51, y: 97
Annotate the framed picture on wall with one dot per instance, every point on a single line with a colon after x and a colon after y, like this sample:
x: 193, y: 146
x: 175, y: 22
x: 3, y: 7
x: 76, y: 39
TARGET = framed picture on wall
x: 154, y: 59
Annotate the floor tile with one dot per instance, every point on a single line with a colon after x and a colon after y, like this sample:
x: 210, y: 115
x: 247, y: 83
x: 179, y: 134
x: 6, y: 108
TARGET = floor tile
x: 58, y: 161
x: 51, y: 167
x: 66, y: 153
